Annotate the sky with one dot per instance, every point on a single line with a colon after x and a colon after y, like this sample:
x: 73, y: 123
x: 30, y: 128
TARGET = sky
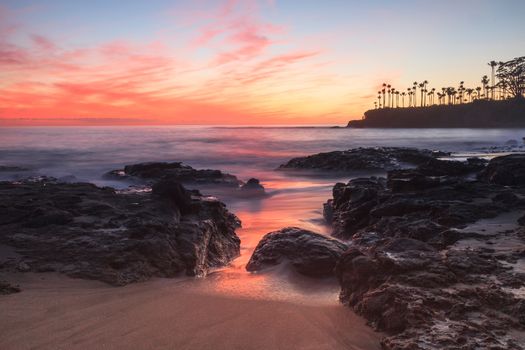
x: 113, y: 62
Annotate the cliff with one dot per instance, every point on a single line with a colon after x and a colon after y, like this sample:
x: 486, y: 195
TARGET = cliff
x: 478, y: 114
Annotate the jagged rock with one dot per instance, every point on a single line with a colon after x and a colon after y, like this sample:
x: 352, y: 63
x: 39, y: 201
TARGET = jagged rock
x: 506, y: 170
x: 414, y: 268
x: 450, y: 202
x: 90, y: 232
x: 381, y: 158
x: 309, y: 253
x: 176, y: 171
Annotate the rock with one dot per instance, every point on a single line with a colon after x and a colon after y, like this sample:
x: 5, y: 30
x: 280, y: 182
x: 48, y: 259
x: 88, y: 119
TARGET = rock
x: 352, y: 203
x: 23, y: 267
x: 174, y: 192
x: 367, y: 159
x: 506, y: 170
x: 416, y: 270
x: 89, y: 232
x: 448, y: 201
x: 310, y: 253
x: 438, y: 167
x: 253, y: 186
x: 7, y: 288
x: 153, y: 171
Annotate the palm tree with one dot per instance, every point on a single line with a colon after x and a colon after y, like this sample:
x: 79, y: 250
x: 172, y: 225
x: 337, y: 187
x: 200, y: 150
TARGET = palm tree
x: 389, y: 96
x: 409, y: 97
x: 469, y: 94
x: 403, y: 94
x: 485, y: 82
x: 415, y: 93
x: 461, y: 90
x: 383, y: 91
x: 478, y: 90
x: 422, y: 91
x: 425, y: 83
x: 397, y: 99
x: 439, y: 97
x: 493, y: 65
x: 433, y: 92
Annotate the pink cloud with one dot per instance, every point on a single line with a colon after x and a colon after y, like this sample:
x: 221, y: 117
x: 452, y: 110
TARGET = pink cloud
x: 149, y: 80
x: 43, y: 43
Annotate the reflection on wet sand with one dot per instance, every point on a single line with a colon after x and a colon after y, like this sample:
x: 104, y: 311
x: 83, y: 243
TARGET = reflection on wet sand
x: 289, y: 202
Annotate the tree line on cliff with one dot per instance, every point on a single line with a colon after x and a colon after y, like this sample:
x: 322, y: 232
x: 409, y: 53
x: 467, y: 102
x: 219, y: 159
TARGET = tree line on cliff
x: 507, y: 81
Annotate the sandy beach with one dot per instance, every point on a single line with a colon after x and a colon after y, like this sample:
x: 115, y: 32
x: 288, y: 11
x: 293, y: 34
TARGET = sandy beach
x: 56, y: 312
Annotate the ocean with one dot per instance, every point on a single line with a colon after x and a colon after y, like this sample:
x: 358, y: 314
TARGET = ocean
x: 295, y: 199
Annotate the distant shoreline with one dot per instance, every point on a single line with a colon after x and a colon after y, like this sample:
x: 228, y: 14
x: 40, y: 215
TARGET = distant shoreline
x: 478, y: 114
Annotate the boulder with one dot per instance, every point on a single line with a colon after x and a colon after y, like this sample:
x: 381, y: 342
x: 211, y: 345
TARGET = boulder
x: 252, y: 187
x: 90, y: 232
x: 506, y: 170
x: 310, y: 253
x: 416, y: 270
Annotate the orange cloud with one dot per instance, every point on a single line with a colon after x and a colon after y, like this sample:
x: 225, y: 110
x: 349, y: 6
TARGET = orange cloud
x: 243, y: 80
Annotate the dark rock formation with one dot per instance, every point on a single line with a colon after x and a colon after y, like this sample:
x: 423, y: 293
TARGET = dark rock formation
x: 507, y: 170
x: 96, y: 233
x: 6, y: 288
x: 309, y: 253
x: 418, y: 271
x: 253, y: 186
x: 364, y: 159
x: 185, y: 174
x: 480, y: 114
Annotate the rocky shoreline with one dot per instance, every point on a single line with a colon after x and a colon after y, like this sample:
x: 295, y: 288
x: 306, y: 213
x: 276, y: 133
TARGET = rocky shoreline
x: 435, y: 254
x: 89, y: 232
x: 432, y: 254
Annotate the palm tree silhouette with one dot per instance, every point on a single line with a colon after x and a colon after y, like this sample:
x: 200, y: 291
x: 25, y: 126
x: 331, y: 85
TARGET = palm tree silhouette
x: 415, y: 93
x: 422, y: 92
x: 383, y: 91
x: 485, y: 82
x: 389, y: 91
x: 493, y: 65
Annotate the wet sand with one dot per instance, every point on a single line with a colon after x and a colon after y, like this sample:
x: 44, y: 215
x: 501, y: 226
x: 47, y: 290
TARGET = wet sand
x: 56, y: 312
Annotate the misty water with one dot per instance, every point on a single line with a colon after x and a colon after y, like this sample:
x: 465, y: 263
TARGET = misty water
x: 295, y: 199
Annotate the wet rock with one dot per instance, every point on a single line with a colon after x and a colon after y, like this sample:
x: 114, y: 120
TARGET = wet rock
x: 7, y: 288
x: 417, y: 270
x: 367, y: 159
x: 310, y: 253
x: 176, y: 171
x: 89, y: 232
x: 506, y: 170
x: 438, y: 167
x: 450, y: 202
x: 175, y: 192
x: 252, y: 187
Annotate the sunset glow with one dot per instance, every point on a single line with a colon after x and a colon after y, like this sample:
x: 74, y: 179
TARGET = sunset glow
x: 235, y: 61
